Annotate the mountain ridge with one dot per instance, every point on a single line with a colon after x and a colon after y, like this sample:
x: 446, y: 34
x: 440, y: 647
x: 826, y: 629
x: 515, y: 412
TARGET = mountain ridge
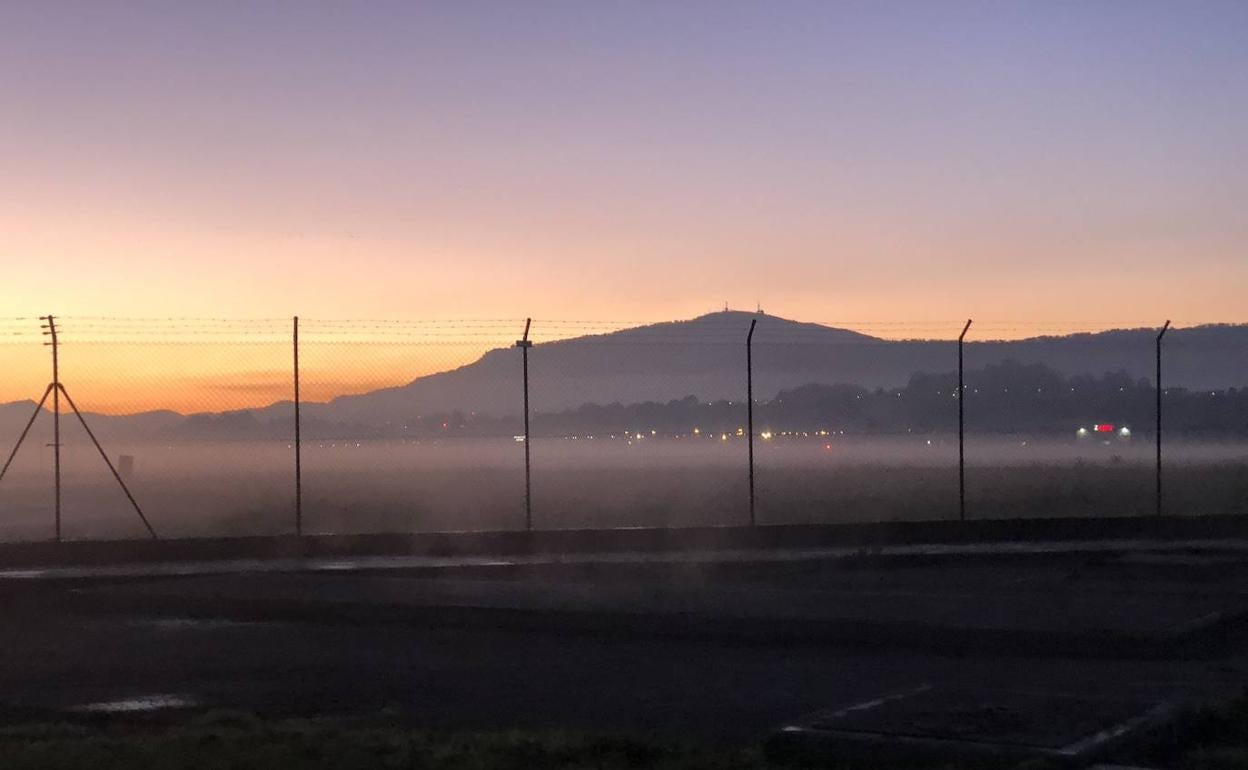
x: 705, y: 357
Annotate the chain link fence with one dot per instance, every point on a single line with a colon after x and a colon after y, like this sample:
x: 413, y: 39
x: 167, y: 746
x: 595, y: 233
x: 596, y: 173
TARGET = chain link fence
x: 418, y: 426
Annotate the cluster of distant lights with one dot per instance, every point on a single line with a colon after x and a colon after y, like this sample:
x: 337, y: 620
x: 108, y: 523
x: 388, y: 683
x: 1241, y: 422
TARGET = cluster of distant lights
x: 1101, y: 429
x: 1104, y: 429
x: 637, y: 437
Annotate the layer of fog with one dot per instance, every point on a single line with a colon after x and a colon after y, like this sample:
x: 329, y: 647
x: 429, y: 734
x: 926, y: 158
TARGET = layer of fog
x: 202, y: 488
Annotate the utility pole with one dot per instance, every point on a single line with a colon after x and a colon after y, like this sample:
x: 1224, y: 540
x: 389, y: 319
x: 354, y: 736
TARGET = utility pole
x: 962, y: 429
x: 524, y: 343
x: 49, y: 329
x: 56, y: 389
x: 1160, y: 334
x: 298, y: 442
x: 749, y: 407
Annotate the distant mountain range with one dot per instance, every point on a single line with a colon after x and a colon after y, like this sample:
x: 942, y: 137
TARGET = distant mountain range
x: 703, y: 357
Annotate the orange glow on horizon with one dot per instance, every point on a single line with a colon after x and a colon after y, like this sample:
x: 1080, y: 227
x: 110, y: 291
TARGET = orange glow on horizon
x: 917, y: 163
x: 182, y: 369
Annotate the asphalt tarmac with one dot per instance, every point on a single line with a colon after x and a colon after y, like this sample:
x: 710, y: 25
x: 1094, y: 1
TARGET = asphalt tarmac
x: 726, y: 650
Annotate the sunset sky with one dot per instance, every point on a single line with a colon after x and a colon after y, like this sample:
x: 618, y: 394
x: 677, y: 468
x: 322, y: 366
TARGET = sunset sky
x: 1038, y: 163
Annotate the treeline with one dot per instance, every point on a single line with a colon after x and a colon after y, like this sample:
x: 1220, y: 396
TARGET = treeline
x: 1006, y: 398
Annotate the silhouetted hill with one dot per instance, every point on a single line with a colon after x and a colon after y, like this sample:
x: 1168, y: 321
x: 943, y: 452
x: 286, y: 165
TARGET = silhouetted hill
x: 14, y: 415
x: 706, y: 357
x: 703, y: 357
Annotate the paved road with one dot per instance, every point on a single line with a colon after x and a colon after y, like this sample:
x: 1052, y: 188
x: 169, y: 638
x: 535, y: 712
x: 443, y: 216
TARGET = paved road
x: 503, y: 646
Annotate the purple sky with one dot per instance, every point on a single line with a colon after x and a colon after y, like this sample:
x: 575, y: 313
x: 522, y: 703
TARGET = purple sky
x: 1038, y: 161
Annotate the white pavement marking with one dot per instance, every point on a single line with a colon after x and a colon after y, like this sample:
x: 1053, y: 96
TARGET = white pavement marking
x: 864, y: 706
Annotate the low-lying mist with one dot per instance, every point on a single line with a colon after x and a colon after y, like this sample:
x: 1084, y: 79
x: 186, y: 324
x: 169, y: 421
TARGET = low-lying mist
x: 247, y: 488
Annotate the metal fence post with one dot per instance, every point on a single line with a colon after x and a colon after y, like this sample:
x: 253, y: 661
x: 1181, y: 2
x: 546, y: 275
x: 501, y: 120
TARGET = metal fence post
x: 749, y: 407
x: 524, y: 343
x: 1160, y: 334
x: 298, y: 440
x: 961, y: 429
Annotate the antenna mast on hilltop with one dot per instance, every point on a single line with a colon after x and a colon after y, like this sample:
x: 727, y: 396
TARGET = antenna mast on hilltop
x: 56, y: 390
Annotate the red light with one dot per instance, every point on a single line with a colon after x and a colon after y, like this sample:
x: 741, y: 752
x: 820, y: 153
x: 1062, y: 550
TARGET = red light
x: 1103, y: 428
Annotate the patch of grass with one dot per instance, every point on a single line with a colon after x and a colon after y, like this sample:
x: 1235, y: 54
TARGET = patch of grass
x: 226, y: 741
x: 1216, y: 758
x: 1202, y: 739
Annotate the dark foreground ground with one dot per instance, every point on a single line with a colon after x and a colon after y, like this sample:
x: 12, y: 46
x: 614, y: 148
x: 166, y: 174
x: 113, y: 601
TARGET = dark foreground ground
x: 245, y: 742
x: 1036, y: 651
x: 1207, y: 739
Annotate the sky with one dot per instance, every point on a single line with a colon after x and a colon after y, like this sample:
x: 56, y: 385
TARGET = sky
x: 915, y: 162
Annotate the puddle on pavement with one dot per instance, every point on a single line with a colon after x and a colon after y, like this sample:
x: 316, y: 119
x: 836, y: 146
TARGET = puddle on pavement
x: 138, y: 704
